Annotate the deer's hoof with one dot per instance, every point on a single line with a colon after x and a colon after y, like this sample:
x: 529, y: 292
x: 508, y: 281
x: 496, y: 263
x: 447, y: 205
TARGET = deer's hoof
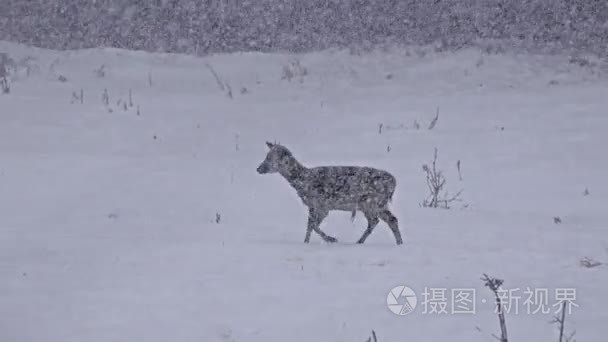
x: 331, y: 239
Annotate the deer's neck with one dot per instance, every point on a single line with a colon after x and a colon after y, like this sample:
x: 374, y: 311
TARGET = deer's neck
x: 295, y: 174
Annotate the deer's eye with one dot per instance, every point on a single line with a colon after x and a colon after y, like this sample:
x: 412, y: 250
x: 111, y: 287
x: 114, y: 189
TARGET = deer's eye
x: 282, y: 155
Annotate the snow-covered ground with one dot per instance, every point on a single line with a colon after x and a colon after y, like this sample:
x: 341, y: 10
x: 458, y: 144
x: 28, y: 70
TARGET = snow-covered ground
x: 108, y: 225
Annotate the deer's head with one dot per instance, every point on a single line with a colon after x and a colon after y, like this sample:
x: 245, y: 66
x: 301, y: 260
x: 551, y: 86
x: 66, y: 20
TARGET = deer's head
x: 278, y: 159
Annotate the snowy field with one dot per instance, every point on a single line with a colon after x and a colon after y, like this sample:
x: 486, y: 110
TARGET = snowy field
x: 116, y: 226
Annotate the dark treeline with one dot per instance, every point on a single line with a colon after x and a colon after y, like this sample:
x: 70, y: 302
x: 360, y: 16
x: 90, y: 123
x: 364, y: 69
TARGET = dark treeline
x: 203, y: 26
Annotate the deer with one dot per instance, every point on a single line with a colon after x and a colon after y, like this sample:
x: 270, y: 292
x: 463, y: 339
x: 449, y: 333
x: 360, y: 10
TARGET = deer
x: 336, y: 188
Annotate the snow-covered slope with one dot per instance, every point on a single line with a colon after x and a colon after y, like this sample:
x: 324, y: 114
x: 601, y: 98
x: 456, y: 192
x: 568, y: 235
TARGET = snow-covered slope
x: 109, y: 220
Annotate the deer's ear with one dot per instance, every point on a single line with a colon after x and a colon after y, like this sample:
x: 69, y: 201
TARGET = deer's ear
x: 270, y: 145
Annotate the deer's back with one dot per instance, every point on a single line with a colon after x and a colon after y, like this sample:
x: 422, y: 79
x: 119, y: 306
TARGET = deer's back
x: 346, y: 187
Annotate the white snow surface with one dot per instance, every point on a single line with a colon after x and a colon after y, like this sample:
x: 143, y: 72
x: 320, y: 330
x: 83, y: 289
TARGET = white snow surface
x: 108, y: 225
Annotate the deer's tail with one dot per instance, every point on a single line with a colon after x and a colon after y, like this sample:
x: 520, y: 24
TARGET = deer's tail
x: 391, y: 189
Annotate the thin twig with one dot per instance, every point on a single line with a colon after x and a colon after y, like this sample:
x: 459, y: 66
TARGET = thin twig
x: 434, y: 122
x: 561, y: 323
x: 220, y: 84
x: 459, y: 172
x: 373, y: 338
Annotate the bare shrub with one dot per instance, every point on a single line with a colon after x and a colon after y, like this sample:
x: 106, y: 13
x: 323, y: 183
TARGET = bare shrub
x: 101, y: 72
x: 237, y: 145
x: 294, y: 69
x: 78, y: 97
x: 124, y: 103
x: 105, y: 98
x: 4, y: 65
x: 388, y: 127
x: 25, y: 65
x: 13, y: 70
x: 4, y: 85
x: 494, y: 285
x: 560, y: 321
x: 581, y: 61
x: 590, y: 263
x: 229, y: 91
x: 435, y: 181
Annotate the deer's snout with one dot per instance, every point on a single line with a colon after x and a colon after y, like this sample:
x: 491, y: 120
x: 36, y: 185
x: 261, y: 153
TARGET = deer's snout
x: 263, y: 168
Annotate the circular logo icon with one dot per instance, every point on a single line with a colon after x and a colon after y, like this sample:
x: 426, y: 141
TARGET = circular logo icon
x: 401, y: 300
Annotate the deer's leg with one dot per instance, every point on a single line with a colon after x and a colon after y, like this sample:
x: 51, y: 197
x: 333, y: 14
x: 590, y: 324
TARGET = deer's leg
x: 314, y: 220
x: 315, y: 217
x: 391, y: 220
x: 372, y: 222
